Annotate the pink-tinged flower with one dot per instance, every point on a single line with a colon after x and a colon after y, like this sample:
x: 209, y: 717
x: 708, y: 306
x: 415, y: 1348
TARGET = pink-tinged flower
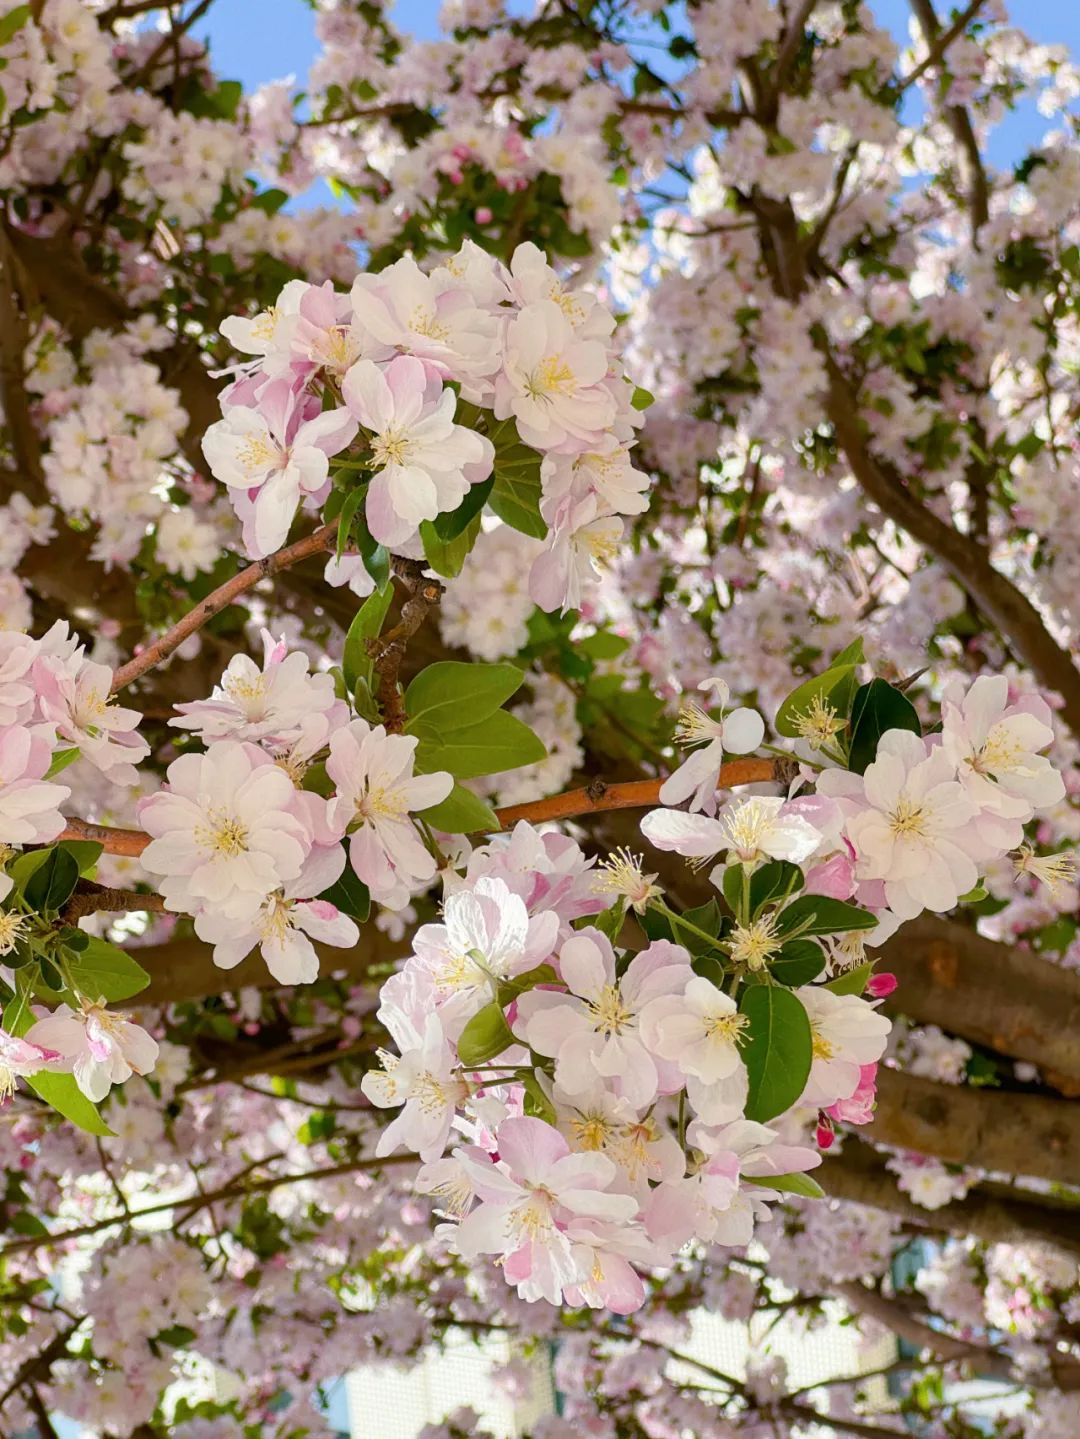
x: 274, y: 454
x: 739, y: 732
x: 424, y: 463
x: 271, y: 704
x: 581, y: 542
x: 847, y: 1033
x: 376, y: 794
x: 486, y: 936
x: 834, y: 877
x: 20, y: 1058
x: 100, y: 1048
x: 605, y: 1255
x: 228, y: 830
x: 598, y: 1120
x: 743, y: 1149
x: 751, y: 831
x: 552, y: 381
x: 857, y: 1108
x: 285, y: 923
x: 699, y: 1031
x: 595, y: 1029
x: 422, y: 1077
x: 326, y: 334
x: 74, y: 695
x: 433, y: 317
x: 17, y: 654
x: 529, y: 1197
x: 993, y: 746
x: 270, y: 332
x: 533, y: 281
x: 29, y: 804
x: 909, y: 822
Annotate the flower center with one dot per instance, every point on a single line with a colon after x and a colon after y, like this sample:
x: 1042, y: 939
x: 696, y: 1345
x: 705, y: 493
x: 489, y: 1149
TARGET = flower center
x: 11, y: 925
x: 264, y: 325
x: 247, y: 694
x: 999, y: 754
x: 379, y: 803
x: 424, y: 322
x: 553, y: 376
x: 752, y: 944
x: 591, y: 1131
x: 694, y: 726
x: 728, y: 1028
x: 746, y: 827
x: 610, y: 1015
x: 818, y: 724
x: 257, y: 453
x: 274, y: 925
x: 822, y: 1047
x: 222, y: 834
x: 390, y: 448
x: 909, y: 820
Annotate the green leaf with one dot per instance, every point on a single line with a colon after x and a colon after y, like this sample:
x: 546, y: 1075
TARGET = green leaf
x: 610, y: 921
x: 788, y: 1184
x: 446, y: 557
x: 452, y: 523
x: 347, y: 514
x: 641, y: 399
x: 367, y: 623
x: 516, y: 491
x: 852, y: 981
x: 778, y: 1051
x: 734, y: 879
x: 177, y: 1336
x: 450, y: 695
x: 53, y: 881
x: 772, y: 883
x: 461, y: 812
x: 485, y: 1036
x: 818, y: 914
x: 87, y: 852
x: 13, y: 22
x: 833, y: 688
x: 500, y: 742
x: 798, y: 962
x: 350, y: 895
x: 878, y: 708
x: 852, y: 655
x: 60, y: 761
x: 509, y: 989
x: 537, y: 1105
x: 604, y: 645
x: 103, y: 971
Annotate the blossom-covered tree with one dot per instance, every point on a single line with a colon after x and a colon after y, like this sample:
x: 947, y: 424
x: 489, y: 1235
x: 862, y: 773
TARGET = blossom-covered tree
x: 538, y: 714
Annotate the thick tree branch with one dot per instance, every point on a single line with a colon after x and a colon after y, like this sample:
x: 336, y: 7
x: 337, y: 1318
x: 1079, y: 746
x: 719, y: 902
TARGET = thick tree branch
x: 1016, y: 1134
x: 859, y: 1174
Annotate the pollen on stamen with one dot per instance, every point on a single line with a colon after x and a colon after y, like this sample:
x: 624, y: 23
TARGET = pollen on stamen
x: 694, y: 726
x: 818, y: 723
x: 1056, y: 871
x: 623, y: 874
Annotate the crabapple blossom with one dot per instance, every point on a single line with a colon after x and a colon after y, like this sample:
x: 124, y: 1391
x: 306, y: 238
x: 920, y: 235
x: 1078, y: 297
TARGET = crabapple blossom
x: 552, y: 381
x: 749, y: 830
x: 20, y: 1058
x: 29, y: 804
x: 739, y: 732
x: 847, y: 1034
x: 597, y: 1028
x: 423, y: 463
x: 699, y: 1032
x: 100, y: 1048
x: 227, y: 830
x: 376, y: 793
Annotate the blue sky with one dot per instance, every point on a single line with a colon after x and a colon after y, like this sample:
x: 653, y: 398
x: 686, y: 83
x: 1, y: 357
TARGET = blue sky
x: 282, y: 42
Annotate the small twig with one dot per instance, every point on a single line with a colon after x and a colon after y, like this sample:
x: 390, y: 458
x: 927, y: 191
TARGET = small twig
x: 388, y: 651
x: 936, y: 51
x: 318, y: 542
x: 90, y: 898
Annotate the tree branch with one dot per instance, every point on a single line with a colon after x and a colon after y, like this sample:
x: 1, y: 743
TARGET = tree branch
x: 318, y: 542
x: 958, y: 119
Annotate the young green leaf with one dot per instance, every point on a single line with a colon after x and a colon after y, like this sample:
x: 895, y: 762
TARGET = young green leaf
x: 450, y: 695
x: 485, y: 1036
x: 818, y: 914
x: 498, y: 743
x: 103, y: 971
x: 53, y: 881
x: 461, y: 812
x: 878, y: 707
x: 778, y: 1050
x: 367, y: 623
x: 798, y: 962
x: 788, y: 1184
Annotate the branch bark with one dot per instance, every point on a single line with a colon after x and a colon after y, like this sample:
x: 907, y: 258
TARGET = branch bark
x: 1014, y: 1133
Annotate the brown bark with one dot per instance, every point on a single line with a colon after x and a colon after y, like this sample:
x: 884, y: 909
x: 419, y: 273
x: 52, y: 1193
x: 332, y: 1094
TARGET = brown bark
x: 858, y: 1174
x: 1008, y: 1133
x: 1006, y: 998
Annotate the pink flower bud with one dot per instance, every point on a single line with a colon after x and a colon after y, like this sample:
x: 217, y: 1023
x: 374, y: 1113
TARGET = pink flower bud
x: 825, y: 1136
x: 881, y: 985
x: 483, y: 216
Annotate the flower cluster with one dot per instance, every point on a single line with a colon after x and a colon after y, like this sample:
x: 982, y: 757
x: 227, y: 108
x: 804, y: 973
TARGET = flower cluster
x: 417, y: 387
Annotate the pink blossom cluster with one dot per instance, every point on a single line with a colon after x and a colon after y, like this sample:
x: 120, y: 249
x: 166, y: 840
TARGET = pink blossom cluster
x: 241, y: 844
x: 420, y: 381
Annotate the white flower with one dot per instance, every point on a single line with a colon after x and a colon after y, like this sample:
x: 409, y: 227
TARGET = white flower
x: 273, y: 704
x: 486, y: 936
x: 285, y: 923
x: 73, y: 695
x: 596, y: 1028
x: 552, y: 381
x: 101, y: 1048
x: 29, y: 804
x: 909, y: 821
x: 696, y: 779
x: 376, y: 793
x: 994, y: 748
x: 186, y: 544
x: 750, y: 830
x: 421, y: 1078
x: 699, y: 1032
x: 424, y: 463
x: 227, y: 830
x: 846, y: 1034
